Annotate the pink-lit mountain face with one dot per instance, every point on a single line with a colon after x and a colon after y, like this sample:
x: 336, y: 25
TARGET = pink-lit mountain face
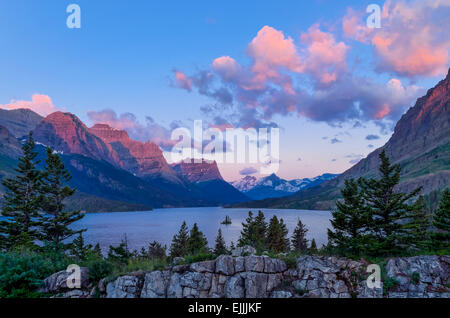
x: 143, y: 159
x: 198, y: 171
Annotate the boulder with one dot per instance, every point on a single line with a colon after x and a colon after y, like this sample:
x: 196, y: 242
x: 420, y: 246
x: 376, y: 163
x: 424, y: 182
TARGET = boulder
x: 57, y: 282
x: 243, y: 251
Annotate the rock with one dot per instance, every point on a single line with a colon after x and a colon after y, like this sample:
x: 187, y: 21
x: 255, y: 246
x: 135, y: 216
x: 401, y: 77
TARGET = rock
x: 178, y: 261
x: 155, y: 284
x: 174, y: 290
x: 234, y: 287
x: 125, y: 287
x: 254, y: 264
x: 281, y: 294
x: 243, y: 251
x: 204, y: 267
x: 225, y: 265
x: 57, y: 282
x: 255, y: 285
x: 239, y: 264
x: 273, y: 265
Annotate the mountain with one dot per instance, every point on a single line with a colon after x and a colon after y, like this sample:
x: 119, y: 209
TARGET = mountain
x: 19, y: 122
x: 420, y: 144
x: 9, y: 145
x: 274, y: 187
x: 206, y: 176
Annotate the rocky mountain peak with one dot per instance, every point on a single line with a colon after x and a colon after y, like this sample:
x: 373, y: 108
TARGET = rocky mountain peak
x: 198, y: 171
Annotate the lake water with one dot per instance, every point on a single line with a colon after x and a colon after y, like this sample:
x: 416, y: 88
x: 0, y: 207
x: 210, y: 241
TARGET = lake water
x: 162, y: 224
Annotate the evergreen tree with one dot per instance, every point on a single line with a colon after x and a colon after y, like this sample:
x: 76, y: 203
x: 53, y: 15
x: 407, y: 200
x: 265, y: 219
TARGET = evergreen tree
x: 22, y: 201
x: 416, y: 226
x: 55, y: 223
x: 78, y: 249
x: 156, y: 250
x: 276, y: 236
x: 120, y: 253
x: 197, y: 242
x: 220, y: 247
x: 441, y: 222
x: 299, y: 241
x: 285, y: 232
x: 178, y: 248
x: 386, y: 208
x: 313, y: 248
x: 349, y: 221
x: 247, y: 227
x: 97, y: 250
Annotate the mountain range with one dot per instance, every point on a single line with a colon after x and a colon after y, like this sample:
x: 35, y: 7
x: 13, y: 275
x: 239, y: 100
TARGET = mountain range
x: 420, y: 144
x: 111, y: 171
x: 273, y: 186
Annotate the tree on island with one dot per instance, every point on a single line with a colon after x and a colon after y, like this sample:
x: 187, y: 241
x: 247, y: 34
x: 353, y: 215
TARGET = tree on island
x: 220, y: 247
x: 55, y: 222
x: 178, y: 248
x: 22, y: 201
x: 440, y: 237
x: 349, y: 221
x: 197, y: 242
x: 299, y: 241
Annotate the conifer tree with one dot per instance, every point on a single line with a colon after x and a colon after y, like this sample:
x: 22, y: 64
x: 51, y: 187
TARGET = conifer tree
x: 441, y: 222
x: 197, y: 242
x: 349, y: 221
x: 276, y: 236
x: 386, y: 208
x: 220, y: 248
x: 247, y: 227
x: 285, y: 232
x: 178, y: 248
x: 120, y: 253
x: 299, y: 241
x: 55, y: 222
x: 78, y: 249
x: 97, y: 250
x: 416, y: 226
x: 22, y: 201
x: 313, y: 248
x: 156, y: 250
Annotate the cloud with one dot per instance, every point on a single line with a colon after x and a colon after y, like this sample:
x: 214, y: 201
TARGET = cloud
x: 41, y: 104
x: 413, y: 39
x: 150, y: 131
x: 372, y: 137
x: 335, y: 141
x: 370, y: 146
x: 248, y: 171
x: 334, y: 160
x: 182, y: 81
x: 299, y: 159
x: 354, y: 158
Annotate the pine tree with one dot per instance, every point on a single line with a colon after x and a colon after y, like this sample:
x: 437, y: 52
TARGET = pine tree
x: 156, y: 250
x: 178, y: 248
x: 349, y: 221
x: 55, y: 223
x: 247, y: 226
x: 441, y: 222
x: 78, y: 249
x: 97, y: 250
x: 313, y: 248
x: 299, y: 241
x: 416, y: 226
x: 220, y: 247
x: 276, y: 236
x: 197, y: 242
x: 120, y: 253
x: 285, y: 232
x: 386, y: 208
x: 22, y: 201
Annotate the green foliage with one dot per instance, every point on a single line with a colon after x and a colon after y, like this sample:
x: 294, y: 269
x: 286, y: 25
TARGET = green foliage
x: 55, y: 222
x: 197, y: 242
x: 299, y: 241
x: 155, y: 251
x: 121, y: 253
x: 415, y: 277
x: 440, y: 237
x: 416, y: 226
x: 313, y: 248
x: 99, y: 268
x: 199, y: 257
x: 79, y: 250
x: 220, y: 248
x: 276, y: 240
x: 254, y: 231
x: 22, y: 201
x: 178, y: 248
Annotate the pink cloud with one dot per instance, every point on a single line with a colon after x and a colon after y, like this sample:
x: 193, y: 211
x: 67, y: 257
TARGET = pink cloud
x: 325, y: 57
x: 413, y: 39
x: 41, y: 104
x: 182, y: 81
x: 227, y: 68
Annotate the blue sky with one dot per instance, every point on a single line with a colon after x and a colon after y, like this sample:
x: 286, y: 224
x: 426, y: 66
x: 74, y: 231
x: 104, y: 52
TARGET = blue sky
x: 124, y: 56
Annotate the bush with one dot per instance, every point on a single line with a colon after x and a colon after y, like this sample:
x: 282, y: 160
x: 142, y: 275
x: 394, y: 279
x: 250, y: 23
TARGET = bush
x: 22, y: 273
x: 99, y: 269
x: 199, y: 257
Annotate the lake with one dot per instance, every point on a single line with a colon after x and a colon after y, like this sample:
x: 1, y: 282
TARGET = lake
x: 162, y: 224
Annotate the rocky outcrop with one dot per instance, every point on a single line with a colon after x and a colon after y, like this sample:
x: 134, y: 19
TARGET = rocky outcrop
x: 143, y: 159
x: 19, y: 122
x: 9, y: 145
x: 263, y: 277
x: 198, y: 171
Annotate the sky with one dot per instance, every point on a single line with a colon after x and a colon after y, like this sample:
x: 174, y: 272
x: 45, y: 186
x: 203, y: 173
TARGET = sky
x: 314, y: 69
